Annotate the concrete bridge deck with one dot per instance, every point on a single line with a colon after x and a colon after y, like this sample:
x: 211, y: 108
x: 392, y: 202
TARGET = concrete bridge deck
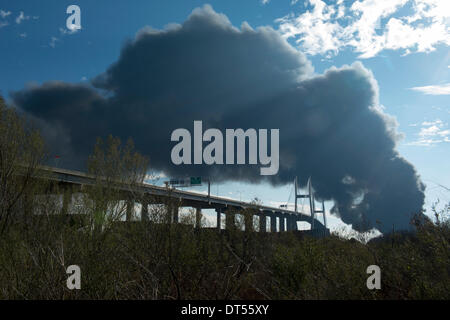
x: 287, y: 219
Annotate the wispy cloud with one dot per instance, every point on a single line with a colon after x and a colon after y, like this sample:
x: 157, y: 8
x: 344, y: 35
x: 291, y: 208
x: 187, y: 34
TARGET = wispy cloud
x: 432, y: 133
x: 62, y: 33
x: 369, y: 26
x: 441, y: 109
x: 439, y: 89
x: 21, y: 17
x: 53, y: 41
x: 437, y: 122
x: 65, y: 31
x: 4, y: 14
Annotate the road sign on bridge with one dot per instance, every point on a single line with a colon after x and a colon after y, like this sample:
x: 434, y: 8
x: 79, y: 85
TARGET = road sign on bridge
x: 196, y: 181
x: 188, y: 182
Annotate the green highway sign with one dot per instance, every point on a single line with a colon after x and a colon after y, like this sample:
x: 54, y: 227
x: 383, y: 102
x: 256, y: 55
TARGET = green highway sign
x: 192, y: 181
x: 196, y: 181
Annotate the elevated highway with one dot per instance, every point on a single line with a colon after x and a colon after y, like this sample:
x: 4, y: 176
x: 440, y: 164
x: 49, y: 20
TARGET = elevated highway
x: 280, y: 219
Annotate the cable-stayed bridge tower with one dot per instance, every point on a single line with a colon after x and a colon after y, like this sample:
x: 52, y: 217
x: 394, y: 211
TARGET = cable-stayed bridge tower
x: 312, y: 202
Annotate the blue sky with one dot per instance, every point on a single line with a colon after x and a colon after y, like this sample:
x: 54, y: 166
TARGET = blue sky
x: 405, y: 43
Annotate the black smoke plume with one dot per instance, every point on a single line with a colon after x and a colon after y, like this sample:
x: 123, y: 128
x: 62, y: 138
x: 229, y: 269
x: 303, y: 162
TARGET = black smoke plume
x: 331, y: 125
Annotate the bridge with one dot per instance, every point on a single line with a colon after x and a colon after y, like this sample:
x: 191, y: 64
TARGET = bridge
x: 76, y: 181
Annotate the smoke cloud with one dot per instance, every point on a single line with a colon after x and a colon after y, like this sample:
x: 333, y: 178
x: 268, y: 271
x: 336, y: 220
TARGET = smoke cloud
x: 331, y: 125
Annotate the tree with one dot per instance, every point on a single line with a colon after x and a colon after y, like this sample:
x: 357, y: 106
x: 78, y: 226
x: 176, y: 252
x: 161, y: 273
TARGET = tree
x: 118, y: 170
x: 21, y: 152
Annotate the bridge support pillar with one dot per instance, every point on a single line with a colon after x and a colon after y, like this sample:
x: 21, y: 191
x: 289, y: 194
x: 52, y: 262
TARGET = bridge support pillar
x: 130, y: 209
x: 175, y: 214
x: 282, y: 224
x: 144, y: 211
x: 291, y: 222
x: 67, y: 199
x: 198, y: 218
x: 248, y: 221
x: 273, y: 222
x: 229, y: 220
x: 219, y: 218
x: 262, y: 222
x: 288, y: 222
x: 294, y: 223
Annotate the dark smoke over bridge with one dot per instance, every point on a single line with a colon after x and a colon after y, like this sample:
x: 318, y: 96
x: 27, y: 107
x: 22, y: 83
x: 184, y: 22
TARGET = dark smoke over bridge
x: 331, y: 125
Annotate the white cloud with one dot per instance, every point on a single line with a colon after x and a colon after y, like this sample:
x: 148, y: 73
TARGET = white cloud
x: 369, y: 26
x: 432, y: 133
x: 429, y: 132
x: 265, y: 1
x: 65, y: 31
x: 21, y: 17
x: 4, y: 14
x: 443, y: 89
x: 444, y: 110
x: 53, y: 41
x: 62, y: 33
x: 437, y: 122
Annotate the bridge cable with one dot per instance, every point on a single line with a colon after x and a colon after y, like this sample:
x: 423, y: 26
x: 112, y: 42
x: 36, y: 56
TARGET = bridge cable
x: 289, y: 198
